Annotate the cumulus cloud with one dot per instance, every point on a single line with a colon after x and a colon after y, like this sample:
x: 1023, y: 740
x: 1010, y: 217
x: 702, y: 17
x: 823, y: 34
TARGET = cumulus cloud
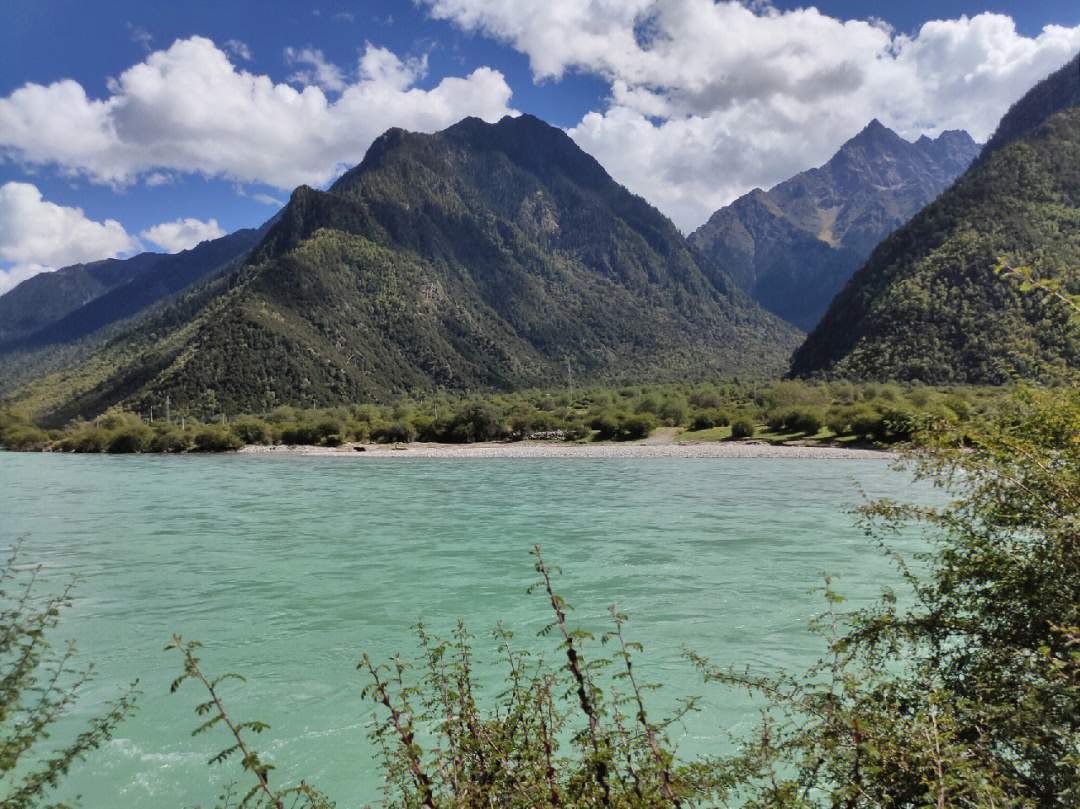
x: 37, y: 235
x: 183, y: 234
x: 188, y: 109
x: 710, y: 99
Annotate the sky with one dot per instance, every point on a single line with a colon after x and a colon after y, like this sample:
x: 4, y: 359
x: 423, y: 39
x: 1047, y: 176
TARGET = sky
x: 128, y: 126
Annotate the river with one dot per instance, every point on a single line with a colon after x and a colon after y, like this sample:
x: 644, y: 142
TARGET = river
x: 288, y: 568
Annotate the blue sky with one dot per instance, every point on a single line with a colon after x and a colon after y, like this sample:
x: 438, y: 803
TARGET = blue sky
x: 134, y: 125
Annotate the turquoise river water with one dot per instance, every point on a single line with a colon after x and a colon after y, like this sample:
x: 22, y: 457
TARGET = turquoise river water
x: 288, y: 568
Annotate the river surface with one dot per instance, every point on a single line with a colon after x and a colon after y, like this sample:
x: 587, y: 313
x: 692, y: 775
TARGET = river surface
x: 287, y: 569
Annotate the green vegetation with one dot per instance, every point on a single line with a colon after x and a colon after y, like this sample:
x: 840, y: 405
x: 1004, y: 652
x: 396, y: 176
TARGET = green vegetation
x: 981, y: 286
x: 774, y: 411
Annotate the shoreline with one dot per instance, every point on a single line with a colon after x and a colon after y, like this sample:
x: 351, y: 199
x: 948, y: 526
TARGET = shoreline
x: 675, y: 449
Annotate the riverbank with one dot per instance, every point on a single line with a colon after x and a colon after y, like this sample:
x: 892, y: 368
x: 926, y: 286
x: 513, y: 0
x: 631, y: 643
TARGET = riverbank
x: 538, y: 449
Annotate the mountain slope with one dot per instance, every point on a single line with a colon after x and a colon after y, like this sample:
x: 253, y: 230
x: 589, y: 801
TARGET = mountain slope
x: 793, y: 247
x: 981, y: 285
x: 47, y: 297
x: 146, y: 279
x: 484, y: 256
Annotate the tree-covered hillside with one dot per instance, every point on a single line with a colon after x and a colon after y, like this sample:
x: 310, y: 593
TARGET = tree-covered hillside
x: 485, y: 256
x: 981, y: 286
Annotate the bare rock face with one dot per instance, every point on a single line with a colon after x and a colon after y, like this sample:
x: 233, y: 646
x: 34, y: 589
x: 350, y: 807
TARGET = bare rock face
x: 793, y: 247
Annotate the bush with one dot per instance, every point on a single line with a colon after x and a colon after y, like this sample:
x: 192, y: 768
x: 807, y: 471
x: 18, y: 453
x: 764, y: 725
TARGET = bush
x: 130, y: 439
x: 743, y: 428
x: 636, y: 427
x: 796, y: 420
x: 475, y: 422
x: 866, y: 424
x: 576, y: 431
x: 25, y: 437
x: 958, y: 405
x: 806, y: 420
x: 606, y: 425
x: 215, y: 438
x: 167, y: 438
x: 673, y: 411
x: 393, y: 432
x: 707, y: 419
x: 250, y: 430
x: 838, y: 419
x: 706, y: 399
x: 300, y: 434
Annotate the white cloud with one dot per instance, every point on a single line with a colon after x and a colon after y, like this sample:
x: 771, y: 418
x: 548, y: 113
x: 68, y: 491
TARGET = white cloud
x: 710, y: 99
x: 183, y: 234
x: 238, y: 49
x: 37, y: 235
x: 319, y: 72
x: 189, y: 109
x: 267, y: 199
x: 140, y: 35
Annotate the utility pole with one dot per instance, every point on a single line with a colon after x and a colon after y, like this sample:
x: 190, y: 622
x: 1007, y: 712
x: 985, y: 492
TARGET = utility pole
x: 167, y: 408
x: 570, y: 377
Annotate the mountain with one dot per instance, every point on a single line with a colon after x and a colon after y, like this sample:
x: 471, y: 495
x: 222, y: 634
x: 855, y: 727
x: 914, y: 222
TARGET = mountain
x: 795, y: 246
x: 70, y: 303
x: 484, y: 256
x: 982, y: 285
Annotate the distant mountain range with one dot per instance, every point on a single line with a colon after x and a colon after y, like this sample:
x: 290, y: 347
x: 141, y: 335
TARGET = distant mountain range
x: 983, y: 285
x: 794, y: 247
x: 484, y: 256
x: 71, y: 303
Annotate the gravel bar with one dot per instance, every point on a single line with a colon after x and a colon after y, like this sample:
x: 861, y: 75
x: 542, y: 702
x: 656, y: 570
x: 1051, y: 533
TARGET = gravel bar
x: 716, y: 449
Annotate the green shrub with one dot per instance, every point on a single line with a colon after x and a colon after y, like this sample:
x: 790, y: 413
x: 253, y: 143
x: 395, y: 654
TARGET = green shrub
x: 130, y: 438
x: 167, y: 438
x: 215, y: 438
x: 673, y: 411
x: 636, y: 427
x: 606, y: 425
x: 838, y: 419
x: 393, y: 432
x: 300, y: 434
x: 25, y: 437
x: 806, y: 420
x: 250, y: 430
x: 707, y: 419
x: 706, y: 399
x: 866, y: 424
x: 958, y: 405
x: 576, y: 431
x: 476, y: 421
x: 743, y: 427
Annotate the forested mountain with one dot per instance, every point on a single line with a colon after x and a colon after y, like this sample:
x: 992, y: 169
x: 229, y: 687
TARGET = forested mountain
x: 62, y: 306
x: 484, y: 256
x: 793, y: 247
x: 982, y: 285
